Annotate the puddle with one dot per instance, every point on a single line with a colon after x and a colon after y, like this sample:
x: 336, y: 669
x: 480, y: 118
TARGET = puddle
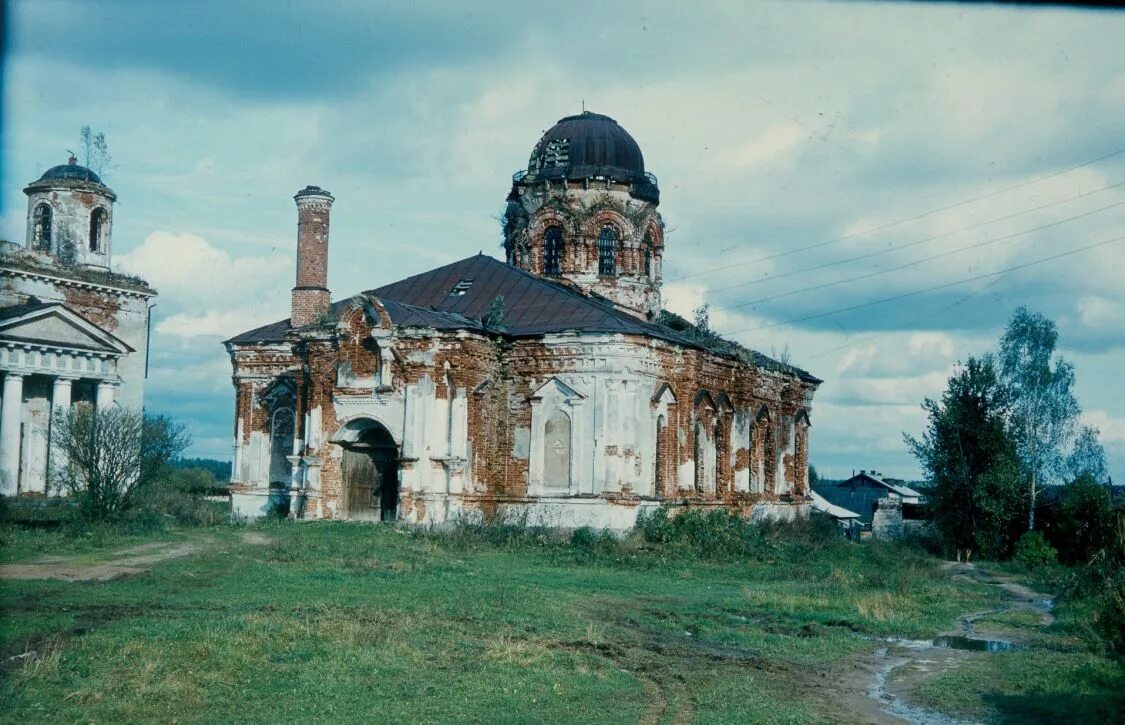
x: 892, y: 705
x: 972, y: 645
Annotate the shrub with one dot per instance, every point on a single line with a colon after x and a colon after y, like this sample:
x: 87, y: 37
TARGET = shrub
x: 715, y: 533
x: 181, y: 495
x: 1085, y: 522
x: 108, y: 459
x: 1033, y: 551
x: 1109, y: 613
x: 594, y: 540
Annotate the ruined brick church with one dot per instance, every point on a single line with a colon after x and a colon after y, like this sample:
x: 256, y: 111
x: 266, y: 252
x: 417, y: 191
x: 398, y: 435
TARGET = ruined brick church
x: 552, y: 385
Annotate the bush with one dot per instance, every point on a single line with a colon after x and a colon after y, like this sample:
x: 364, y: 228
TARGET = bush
x: 1109, y: 612
x: 715, y: 533
x: 594, y: 540
x: 109, y: 459
x: 1033, y: 551
x: 508, y: 530
x: 1084, y: 522
x: 181, y: 495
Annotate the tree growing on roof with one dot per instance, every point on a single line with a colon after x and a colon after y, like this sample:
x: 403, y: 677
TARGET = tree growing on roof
x: 95, y: 150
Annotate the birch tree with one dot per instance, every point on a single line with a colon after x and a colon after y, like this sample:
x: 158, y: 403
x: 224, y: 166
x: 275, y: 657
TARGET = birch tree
x: 1044, y: 409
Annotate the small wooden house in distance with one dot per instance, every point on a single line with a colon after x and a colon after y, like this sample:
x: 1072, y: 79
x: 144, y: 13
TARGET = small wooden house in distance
x: 870, y: 504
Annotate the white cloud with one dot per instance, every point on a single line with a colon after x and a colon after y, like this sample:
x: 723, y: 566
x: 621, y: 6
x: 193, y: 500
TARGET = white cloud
x: 760, y: 150
x: 777, y: 142
x: 1112, y: 428
x: 204, y: 290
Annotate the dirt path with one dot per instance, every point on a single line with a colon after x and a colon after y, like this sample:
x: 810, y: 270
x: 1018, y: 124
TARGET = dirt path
x: 876, y: 687
x: 115, y: 564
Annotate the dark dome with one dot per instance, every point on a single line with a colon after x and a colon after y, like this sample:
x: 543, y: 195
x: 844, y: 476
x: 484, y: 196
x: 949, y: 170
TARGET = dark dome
x: 72, y: 172
x: 584, y: 146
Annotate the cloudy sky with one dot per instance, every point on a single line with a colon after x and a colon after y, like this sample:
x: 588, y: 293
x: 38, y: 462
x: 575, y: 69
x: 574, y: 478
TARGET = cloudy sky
x: 814, y: 160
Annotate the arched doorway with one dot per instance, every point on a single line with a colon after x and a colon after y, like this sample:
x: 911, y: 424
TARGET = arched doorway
x: 369, y: 489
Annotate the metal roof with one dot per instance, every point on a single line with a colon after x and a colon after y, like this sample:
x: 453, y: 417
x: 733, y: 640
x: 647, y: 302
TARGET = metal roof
x: 461, y: 295
x: 72, y: 172
x: 587, y: 145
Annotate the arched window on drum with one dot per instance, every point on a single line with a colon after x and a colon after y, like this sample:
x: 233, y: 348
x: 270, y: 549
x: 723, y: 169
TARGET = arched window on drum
x: 552, y: 250
x: 41, y: 228
x: 607, y: 251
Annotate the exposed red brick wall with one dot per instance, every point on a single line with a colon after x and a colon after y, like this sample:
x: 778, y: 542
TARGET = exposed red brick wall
x: 498, y: 378
x: 310, y: 295
x: 101, y: 308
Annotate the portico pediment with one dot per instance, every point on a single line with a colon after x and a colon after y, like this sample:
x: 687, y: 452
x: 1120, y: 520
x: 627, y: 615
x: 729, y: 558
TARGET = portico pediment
x: 55, y: 325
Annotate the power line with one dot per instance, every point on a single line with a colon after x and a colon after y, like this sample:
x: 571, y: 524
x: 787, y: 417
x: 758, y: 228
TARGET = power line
x: 923, y: 260
x: 899, y: 222
x: 888, y: 250
x: 928, y: 289
x: 941, y: 310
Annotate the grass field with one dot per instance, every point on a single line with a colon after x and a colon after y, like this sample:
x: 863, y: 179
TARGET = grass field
x: 362, y: 623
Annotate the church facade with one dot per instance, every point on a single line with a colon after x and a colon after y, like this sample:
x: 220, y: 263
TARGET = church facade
x: 71, y: 330
x: 551, y: 386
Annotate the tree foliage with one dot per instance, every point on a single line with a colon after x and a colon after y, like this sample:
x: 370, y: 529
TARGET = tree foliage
x: 1085, y: 521
x: 1006, y: 426
x: 95, y: 150
x: 971, y: 463
x: 1044, y: 409
x: 1087, y: 458
x: 109, y: 458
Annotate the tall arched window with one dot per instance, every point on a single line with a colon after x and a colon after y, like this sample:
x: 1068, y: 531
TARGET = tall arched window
x: 720, y: 455
x: 41, y: 228
x: 556, y: 448
x: 97, y: 228
x: 607, y: 251
x: 700, y: 464
x: 770, y: 459
x: 281, y: 445
x: 553, y: 250
x: 658, y: 457
x: 755, y: 458
x: 648, y: 254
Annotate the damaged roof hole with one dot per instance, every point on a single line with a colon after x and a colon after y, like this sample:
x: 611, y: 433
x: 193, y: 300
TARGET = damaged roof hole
x: 461, y: 288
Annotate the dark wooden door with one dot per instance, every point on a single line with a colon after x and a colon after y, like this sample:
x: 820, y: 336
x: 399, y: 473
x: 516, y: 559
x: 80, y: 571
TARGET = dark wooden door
x: 386, y: 465
x: 361, y: 484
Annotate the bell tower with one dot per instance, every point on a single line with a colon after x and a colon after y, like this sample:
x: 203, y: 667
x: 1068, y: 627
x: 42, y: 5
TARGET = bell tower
x: 585, y: 211
x: 70, y: 215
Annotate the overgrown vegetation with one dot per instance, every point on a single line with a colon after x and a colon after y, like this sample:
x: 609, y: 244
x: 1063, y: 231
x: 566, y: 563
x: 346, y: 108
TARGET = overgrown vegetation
x: 1006, y: 432
x: 1006, y: 427
x: 109, y: 459
x: 285, y: 621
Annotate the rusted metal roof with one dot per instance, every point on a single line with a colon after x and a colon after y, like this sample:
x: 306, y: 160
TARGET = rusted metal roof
x: 464, y: 295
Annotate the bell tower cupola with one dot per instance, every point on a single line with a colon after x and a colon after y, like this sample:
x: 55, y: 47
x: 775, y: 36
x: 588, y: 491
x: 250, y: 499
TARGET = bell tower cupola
x: 585, y: 211
x: 70, y: 215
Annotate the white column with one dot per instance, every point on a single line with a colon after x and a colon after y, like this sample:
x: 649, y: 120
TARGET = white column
x: 61, y: 398
x: 62, y: 394
x: 11, y: 409
x: 105, y: 394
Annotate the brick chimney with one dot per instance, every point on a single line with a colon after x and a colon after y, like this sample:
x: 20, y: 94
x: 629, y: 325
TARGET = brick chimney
x: 310, y: 296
